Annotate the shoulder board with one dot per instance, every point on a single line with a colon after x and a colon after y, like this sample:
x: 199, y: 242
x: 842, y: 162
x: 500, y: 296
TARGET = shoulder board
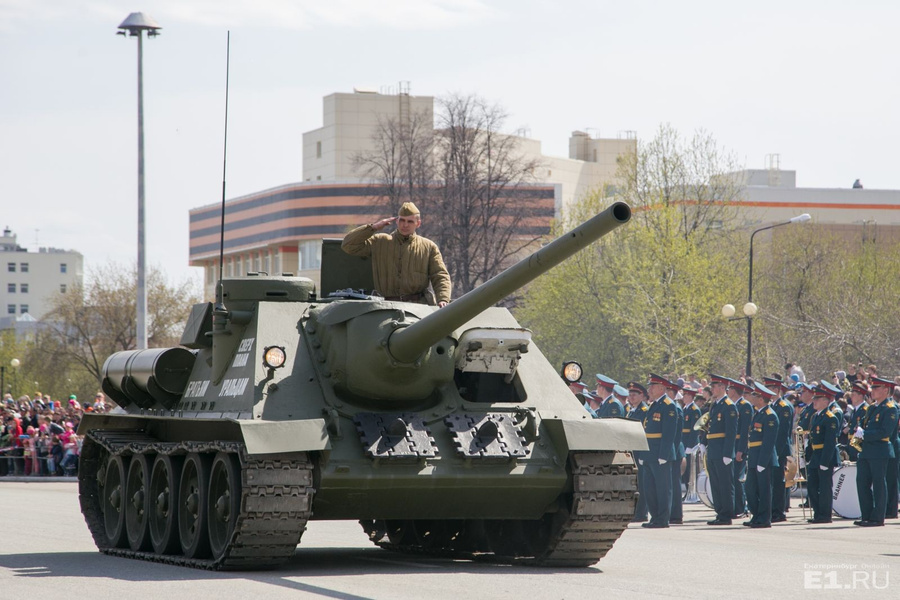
x: 668, y: 400
x: 769, y: 411
x: 644, y: 408
x: 890, y: 404
x: 828, y: 413
x: 729, y: 402
x: 781, y: 403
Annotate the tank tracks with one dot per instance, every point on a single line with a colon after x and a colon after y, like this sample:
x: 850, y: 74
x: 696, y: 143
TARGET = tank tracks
x: 578, y: 534
x: 276, y: 500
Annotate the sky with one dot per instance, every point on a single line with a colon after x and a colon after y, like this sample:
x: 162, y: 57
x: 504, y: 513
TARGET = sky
x: 815, y: 82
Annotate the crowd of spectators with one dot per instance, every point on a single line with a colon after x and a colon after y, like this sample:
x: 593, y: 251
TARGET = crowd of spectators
x: 38, y: 435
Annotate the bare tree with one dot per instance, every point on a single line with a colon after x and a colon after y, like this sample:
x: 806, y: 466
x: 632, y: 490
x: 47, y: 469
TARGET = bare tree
x: 88, y: 324
x: 469, y: 180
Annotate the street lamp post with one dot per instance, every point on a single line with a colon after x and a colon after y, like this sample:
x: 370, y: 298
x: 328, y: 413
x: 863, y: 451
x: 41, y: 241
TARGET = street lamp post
x: 14, y: 363
x: 135, y: 25
x: 750, y: 309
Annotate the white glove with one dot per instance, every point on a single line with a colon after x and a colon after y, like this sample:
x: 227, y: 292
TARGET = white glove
x: 824, y: 468
x: 662, y: 461
x: 688, y: 451
x: 760, y: 468
x: 702, y: 447
x: 860, y: 433
x: 726, y: 460
x: 640, y: 461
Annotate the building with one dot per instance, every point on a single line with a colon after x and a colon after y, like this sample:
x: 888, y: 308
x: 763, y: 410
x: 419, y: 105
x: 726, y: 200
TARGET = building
x: 772, y: 196
x: 280, y: 229
x: 30, y: 280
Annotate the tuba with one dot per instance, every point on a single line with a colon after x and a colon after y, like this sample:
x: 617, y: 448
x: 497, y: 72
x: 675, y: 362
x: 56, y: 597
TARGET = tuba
x: 702, y: 423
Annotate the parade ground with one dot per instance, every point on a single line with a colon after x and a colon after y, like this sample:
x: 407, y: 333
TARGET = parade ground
x: 46, y: 550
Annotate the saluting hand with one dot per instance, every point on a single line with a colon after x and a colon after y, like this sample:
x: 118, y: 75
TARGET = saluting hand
x: 379, y: 225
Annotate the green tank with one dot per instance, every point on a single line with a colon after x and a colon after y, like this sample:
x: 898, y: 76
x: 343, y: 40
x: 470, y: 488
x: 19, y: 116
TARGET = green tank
x: 442, y: 431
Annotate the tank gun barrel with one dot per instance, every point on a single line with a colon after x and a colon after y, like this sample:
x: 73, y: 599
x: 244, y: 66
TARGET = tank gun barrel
x: 408, y: 343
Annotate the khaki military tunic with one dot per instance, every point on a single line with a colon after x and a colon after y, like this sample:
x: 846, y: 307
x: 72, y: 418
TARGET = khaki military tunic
x: 401, y: 266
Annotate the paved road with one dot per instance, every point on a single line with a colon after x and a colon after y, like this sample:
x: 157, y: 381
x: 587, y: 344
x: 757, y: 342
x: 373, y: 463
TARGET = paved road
x: 46, y: 551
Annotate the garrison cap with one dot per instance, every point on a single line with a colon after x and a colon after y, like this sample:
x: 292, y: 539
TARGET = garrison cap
x: 408, y: 209
x: 605, y: 381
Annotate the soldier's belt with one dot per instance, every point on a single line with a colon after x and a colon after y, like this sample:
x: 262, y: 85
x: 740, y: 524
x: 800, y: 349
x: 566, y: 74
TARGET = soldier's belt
x: 818, y: 446
x: 754, y: 444
x: 688, y: 430
x: 737, y: 437
x: 653, y: 436
x: 714, y: 436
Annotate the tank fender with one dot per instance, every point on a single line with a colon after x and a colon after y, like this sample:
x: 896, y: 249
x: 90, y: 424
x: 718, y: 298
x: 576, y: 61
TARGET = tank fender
x: 596, y: 434
x: 275, y: 437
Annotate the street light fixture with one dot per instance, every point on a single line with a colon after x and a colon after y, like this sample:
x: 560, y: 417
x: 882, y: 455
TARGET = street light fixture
x: 750, y: 309
x: 135, y: 25
x: 15, y: 364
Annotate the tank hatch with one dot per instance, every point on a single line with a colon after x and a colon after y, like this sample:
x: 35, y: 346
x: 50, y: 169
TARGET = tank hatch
x: 266, y: 288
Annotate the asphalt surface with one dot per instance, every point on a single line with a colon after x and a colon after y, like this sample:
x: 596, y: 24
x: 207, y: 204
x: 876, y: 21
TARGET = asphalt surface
x: 46, y: 550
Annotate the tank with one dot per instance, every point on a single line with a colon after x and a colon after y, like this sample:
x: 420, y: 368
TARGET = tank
x: 442, y: 431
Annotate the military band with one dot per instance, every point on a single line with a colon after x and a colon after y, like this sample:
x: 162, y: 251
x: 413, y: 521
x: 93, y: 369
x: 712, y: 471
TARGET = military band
x: 747, y: 439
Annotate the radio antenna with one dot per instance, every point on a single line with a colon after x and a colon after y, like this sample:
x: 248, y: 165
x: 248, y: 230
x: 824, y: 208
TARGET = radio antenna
x: 220, y: 313
x: 220, y: 301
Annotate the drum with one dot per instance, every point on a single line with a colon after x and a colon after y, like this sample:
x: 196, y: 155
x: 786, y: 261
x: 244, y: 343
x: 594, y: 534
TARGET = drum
x: 704, y: 489
x: 845, y: 497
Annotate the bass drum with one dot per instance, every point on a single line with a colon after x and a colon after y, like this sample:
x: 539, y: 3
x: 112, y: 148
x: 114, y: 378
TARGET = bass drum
x: 846, y: 498
x: 704, y: 489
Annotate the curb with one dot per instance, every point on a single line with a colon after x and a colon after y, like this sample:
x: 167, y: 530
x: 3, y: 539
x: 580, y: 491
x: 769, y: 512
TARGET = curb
x: 37, y: 479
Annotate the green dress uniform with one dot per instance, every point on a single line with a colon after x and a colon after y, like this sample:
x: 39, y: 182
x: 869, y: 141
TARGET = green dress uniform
x: 660, y: 423
x: 822, y: 458
x: 690, y: 438
x: 637, y: 413
x: 723, y: 424
x: 857, y: 418
x: 762, y: 458
x: 677, y: 513
x: 892, y: 477
x: 784, y: 447
x: 879, y: 424
x: 745, y: 417
x: 610, y: 408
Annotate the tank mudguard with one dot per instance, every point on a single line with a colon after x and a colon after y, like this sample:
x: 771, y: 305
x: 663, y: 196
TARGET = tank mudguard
x: 275, y: 437
x: 597, y: 434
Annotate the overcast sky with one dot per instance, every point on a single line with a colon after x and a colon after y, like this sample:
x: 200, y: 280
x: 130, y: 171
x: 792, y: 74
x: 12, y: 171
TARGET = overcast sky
x: 814, y: 81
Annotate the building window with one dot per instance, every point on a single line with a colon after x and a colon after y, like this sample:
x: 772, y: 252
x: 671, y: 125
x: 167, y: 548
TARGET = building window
x: 11, y: 267
x: 23, y: 288
x: 310, y: 254
x: 23, y: 308
x: 63, y: 268
x: 318, y: 149
x: 10, y: 288
x: 11, y: 309
x: 62, y: 288
x: 23, y: 267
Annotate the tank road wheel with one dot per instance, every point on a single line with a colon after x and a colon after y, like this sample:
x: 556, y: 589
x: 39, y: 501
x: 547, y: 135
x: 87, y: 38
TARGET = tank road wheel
x: 136, y: 496
x: 224, y: 501
x: 163, y: 504
x: 192, y: 505
x: 114, y: 502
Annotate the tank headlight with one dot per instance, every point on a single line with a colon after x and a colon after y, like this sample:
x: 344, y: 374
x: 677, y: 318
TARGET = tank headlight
x: 571, y: 371
x: 274, y: 357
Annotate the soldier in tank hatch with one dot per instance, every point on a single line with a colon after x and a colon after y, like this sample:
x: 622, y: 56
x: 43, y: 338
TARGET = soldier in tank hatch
x: 403, y: 263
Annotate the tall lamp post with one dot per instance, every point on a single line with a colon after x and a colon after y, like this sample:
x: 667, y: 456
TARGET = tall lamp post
x: 750, y: 309
x: 15, y: 364
x: 135, y: 25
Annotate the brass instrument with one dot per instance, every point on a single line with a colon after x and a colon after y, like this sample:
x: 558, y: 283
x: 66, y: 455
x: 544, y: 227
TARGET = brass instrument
x: 702, y: 423
x: 800, y: 473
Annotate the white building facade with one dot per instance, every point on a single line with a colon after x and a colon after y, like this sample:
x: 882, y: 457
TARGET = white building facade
x: 30, y: 280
